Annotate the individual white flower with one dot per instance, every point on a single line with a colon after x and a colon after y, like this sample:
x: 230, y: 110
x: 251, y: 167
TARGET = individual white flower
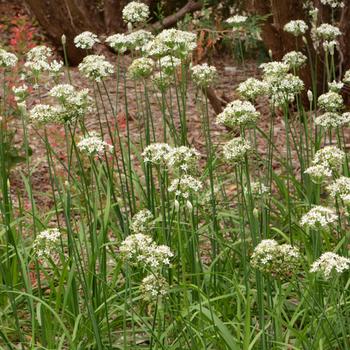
x: 94, y: 145
x: 46, y: 242
x: 7, y: 59
x: 327, y: 32
x: 119, y: 42
x: 318, y: 217
x: 95, y: 67
x: 278, y: 260
x: 236, y: 20
x: 330, y: 156
x: 235, y: 150
x: 156, y: 153
x: 252, y: 88
x: 140, y: 221
x: 86, y: 40
x: 141, y: 68
x: 341, y: 188
x: 333, y: 3
x: 296, y: 27
x: 294, y: 59
x: 153, y: 287
x: 329, y: 264
x: 331, y: 101
x: 203, y: 75
x: 135, y: 12
x: 332, y: 119
x: 182, y: 158
x: 318, y: 173
x: 168, y: 64
x: 185, y: 186
x: 42, y: 113
x: 238, y: 113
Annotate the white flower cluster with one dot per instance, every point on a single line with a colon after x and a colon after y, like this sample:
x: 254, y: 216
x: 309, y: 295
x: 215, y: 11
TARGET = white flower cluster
x: 335, y: 86
x: 333, y: 3
x: 135, y: 12
x: 140, y: 249
x: 332, y: 119
x: 44, y: 114
x: 279, y: 260
x: 156, y: 153
x: 20, y: 92
x: 236, y: 20
x: 203, y: 75
x: 318, y: 217
x: 185, y: 186
x: 137, y: 40
x: 161, y: 81
x: 329, y: 264
x: 168, y: 64
x: 346, y: 78
x: 182, y: 158
x: 153, y: 286
x: 7, y: 59
x: 86, y: 40
x: 294, y: 59
x: 140, y: 221
x: 238, y: 113
x: 95, y: 67
x: 141, y: 68
x: 119, y: 42
x: 38, y: 61
x: 46, y: 242
x: 330, y: 45
x: 275, y: 69
x: 252, y: 88
x: 235, y: 150
x: 341, y: 188
x: 319, y: 172
x: 331, y: 101
x: 296, y: 27
x: 327, y: 32
x: 93, y: 145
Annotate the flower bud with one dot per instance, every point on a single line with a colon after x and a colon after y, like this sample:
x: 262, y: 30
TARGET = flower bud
x: 176, y: 204
x: 310, y: 95
x: 63, y: 40
x: 189, y: 205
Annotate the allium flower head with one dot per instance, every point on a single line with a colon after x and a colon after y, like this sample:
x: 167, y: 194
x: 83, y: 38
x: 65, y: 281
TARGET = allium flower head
x: 20, y: 92
x: 168, y: 64
x: 119, y: 42
x: 333, y: 3
x: 141, y: 68
x: 296, y: 27
x: 341, y: 188
x: 94, y: 145
x: 135, y: 12
x: 161, y: 81
x: 141, y: 221
x: 156, y: 153
x: 44, y: 114
x: 46, y: 242
x: 86, y: 40
x: 237, y: 20
x: 138, y: 39
x: 7, y: 59
x: 95, y: 67
x: 318, y: 217
x: 251, y: 88
x: 238, y: 113
x: 273, y: 70
x: 331, y: 102
x: 184, y: 186
x: 235, y: 150
x: 327, y: 32
x: 156, y: 48
x: 332, y: 120
x: 182, y: 158
x: 335, y: 86
x: 38, y: 59
x: 203, y: 75
x: 330, y: 156
x: 278, y: 260
x: 330, y: 264
x: 346, y: 78
x: 294, y: 59
x: 318, y: 173
x: 153, y: 287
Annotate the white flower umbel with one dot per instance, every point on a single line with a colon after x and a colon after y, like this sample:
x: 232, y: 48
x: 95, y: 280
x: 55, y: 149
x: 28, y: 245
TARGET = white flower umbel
x: 153, y: 287
x: 86, y: 40
x: 331, y: 102
x: 156, y: 48
x: 140, y: 222
x: 37, y: 59
x: 95, y: 67
x: 44, y: 114
x: 341, y: 188
x: 294, y: 59
x: 168, y: 64
x: 140, y: 249
x: 277, y: 260
x: 296, y: 27
x: 333, y: 3
x: 119, y: 42
x: 94, y: 145
x: 138, y: 39
x: 135, y: 12
x: 184, y: 187
x: 330, y: 264
x: 335, y: 86
x: 327, y: 32
x: 252, y: 88
x: 273, y: 70
x: 161, y: 81
x: 20, y: 92
x: 156, y: 153
x: 318, y: 217
x: 332, y: 120
x: 237, y: 20
x: 235, y: 150
x: 7, y: 59
x: 238, y: 113
x: 141, y: 68
x: 182, y: 158
x: 203, y: 75
x: 330, y: 156
x: 319, y: 173
x: 346, y: 78
x: 46, y: 242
